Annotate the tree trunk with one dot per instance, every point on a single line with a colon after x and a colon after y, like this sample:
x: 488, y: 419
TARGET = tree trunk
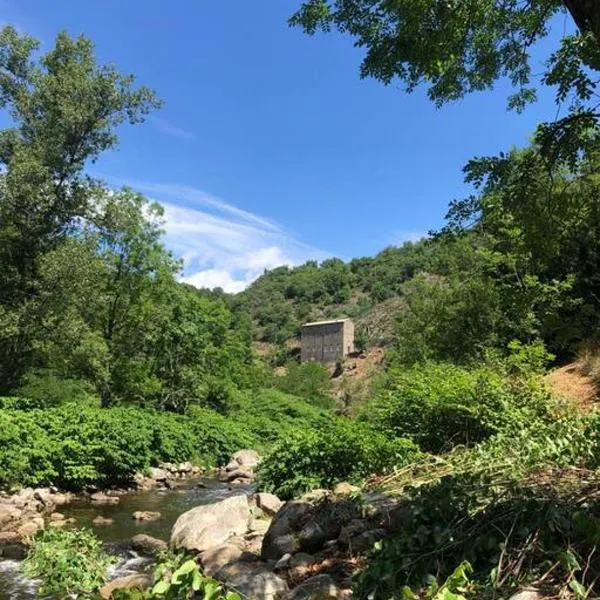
x: 586, y: 14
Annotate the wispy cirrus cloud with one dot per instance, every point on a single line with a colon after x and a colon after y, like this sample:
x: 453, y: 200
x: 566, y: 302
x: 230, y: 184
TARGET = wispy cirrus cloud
x: 168, y: 128
x: 221, y: 244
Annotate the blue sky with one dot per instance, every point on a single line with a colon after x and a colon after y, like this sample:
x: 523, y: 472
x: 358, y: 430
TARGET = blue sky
x: 270, y: 149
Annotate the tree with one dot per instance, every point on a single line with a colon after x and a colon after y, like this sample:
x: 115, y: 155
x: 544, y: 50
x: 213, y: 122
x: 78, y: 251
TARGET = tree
x: 64, y: 108
x: 461, y: 46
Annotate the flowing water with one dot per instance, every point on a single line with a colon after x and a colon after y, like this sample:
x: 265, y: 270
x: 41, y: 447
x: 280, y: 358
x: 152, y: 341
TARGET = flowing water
x: 170, y: 503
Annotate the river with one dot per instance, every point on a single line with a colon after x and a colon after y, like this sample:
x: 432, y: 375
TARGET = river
x: 170, y: 503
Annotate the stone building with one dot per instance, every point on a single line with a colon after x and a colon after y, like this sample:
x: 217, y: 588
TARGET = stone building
x: 327, y: 341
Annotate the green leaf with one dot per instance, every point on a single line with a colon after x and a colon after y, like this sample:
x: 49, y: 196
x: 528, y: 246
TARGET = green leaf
x: 162, y: 587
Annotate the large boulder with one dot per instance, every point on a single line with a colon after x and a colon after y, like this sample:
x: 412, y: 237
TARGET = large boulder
x: 304, y: 526
x: 210, y: 525
x: 253, y: 580
x: 246, y: 458
x: 159, y: 475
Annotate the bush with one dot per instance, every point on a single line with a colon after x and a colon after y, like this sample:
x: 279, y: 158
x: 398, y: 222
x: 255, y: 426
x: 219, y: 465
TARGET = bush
x: 74, y: 447
x: 69, y: 562
x: 343, y: 451
x: 309, y: 381
x: 271, y: 414
x: 440, y: 406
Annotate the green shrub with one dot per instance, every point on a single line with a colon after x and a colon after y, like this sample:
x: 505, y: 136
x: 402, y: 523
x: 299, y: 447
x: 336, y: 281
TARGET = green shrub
x: 440, y: 406
x: 342, y: 451
x: 74, y: 446
x: 45, y: 389
x: 69, y: 562
x: 270, y: 414
x: 309, y: 381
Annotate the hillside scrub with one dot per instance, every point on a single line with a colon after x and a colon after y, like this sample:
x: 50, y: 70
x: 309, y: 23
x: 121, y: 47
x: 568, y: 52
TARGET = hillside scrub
x: 343, y: 451
x: 520, y: 509
x: 440, y: 405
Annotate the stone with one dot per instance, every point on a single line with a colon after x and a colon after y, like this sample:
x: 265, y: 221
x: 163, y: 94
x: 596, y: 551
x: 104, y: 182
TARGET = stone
x: 138, y: 581
x: 319, y: 587
x: 60, y: 499
x: 259, y: 526
x: 100, y: 520
x: 246, y: 458
x: 101, y: 498
x: 159, y: 474
x: 231, y: 466
x: 29, y: 529
x: 8, y: 537
x: 253, y: 580
x: 146, y: 544
x: 352, y: 529
x: 56, y: 516
x: 269, y: 503
x: 211, y: 524
x: 283, y: 562
x: 365, y: 541
x: 316, y: 495
x: 345, y: 489
x: 300, y: 525
x: 9, y: 514
x: 185, y: 468
x: 217, y: 557
x: 279, y: 539
x: 240, y: 473
x: 13, y: 551
x: 526, y: 595
x: 299, y: 564
x: 146, y: 515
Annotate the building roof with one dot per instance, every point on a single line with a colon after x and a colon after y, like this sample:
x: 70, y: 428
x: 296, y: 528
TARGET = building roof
x: 325, y: 322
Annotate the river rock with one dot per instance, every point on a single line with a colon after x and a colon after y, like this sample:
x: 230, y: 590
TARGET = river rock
x: 253, y: 580
x: 100, y: 520
x: 527, y: 595
x: 345, y: 489
x: 146, y: 515
x: 217, y: 557
x: 9, y: 514
x: 242, y: 472
x: 56, y: 516
x: 319, y: 587
x: 138, y: 581
x: 102, y: 498
x: 299, y: 565
x: 304, y: 526
x: 246, y: 458
x: 185, y: 468
x: 160, y: 475
x: 269, y: 503
x: 146, y: 544
x: 366, y: 540
x: 27, y: 530
x: 210, y: 525
x: 352, y: 529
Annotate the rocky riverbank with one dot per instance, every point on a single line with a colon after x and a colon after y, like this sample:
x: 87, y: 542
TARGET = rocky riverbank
x: 29, y: 510
x: 268, y: 549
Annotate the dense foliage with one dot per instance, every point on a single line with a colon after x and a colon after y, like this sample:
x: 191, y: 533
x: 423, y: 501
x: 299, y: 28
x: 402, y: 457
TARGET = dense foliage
x: 440, y: 406
x: 70, y: 562
x: 74, y: 446
x: 343, y: 451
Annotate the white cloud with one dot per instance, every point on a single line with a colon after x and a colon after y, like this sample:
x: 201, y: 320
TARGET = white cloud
x: 168, y: 128
x: 222, y: 245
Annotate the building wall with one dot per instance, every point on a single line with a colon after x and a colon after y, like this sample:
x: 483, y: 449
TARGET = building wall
x: 328, y: 342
